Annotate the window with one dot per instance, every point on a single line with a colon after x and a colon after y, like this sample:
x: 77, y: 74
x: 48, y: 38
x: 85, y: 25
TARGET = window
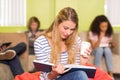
x: 112, y: 11
x: 12, y: 12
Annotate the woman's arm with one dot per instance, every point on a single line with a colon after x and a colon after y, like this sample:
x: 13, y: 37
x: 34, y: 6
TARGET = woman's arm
x: 94, y: 43
x: 40, y: 47
x: 83, y: 58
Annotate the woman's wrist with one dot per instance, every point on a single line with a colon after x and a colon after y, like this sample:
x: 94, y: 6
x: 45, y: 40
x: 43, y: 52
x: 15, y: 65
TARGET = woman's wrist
x: 83, y: 60
x: 52, y: 75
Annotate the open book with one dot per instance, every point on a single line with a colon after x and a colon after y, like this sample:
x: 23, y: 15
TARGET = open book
x: 47, y: 67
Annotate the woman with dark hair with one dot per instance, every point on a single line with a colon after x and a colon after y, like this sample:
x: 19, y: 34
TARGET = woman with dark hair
x: 33, y: 32
x: 100, y: 36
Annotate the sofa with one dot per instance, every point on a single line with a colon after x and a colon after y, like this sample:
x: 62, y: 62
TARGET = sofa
x: 115, y: 52
x: 15, y: 38
x: 27, y: 60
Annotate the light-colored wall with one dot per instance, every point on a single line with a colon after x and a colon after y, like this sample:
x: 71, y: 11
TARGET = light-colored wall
x: 86, y: 10
x: 46, y: 10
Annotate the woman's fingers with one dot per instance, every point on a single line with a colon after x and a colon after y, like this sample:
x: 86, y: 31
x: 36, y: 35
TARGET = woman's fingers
x: 58, y: 68
x: 87, y: 53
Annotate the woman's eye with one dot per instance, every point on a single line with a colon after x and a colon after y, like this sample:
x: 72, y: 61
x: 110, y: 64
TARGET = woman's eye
x: 72, y: 29
x: 65, y: 28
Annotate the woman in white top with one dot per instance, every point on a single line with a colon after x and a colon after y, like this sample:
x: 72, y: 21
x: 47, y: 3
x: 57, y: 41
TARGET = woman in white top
x: 58, y: 44
x: 100, y: 36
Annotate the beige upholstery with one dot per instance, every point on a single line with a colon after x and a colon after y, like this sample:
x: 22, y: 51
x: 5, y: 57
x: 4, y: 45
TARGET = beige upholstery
x: 115, y: 51
x: 30, y: 65
x: 5, y: 73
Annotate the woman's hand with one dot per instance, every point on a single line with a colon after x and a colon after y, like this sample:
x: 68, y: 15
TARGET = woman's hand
x: 56, y: 70
x: 112, y: 44
x: 84, y: 58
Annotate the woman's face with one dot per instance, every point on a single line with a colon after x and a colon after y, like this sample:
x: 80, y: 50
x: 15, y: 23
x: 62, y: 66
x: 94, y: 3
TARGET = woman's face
x: 66, y: 28
x: 34, y: 26
x: 103, y: 26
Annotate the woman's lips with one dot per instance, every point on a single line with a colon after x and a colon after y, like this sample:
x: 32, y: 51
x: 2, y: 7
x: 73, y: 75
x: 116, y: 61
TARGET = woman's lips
x: 65, y: 36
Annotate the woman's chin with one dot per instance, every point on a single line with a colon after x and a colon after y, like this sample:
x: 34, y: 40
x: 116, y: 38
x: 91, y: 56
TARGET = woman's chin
x: 64, y: 38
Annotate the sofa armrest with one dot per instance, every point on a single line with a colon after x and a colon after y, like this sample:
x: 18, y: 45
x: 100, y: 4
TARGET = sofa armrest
x: 5, y: 72
x: 116, y: 39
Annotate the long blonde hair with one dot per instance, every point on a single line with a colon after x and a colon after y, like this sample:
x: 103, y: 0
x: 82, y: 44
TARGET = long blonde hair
x: 65, y: 14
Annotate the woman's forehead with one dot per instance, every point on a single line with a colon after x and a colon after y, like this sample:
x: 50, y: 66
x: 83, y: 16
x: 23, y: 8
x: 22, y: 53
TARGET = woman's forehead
x: 68, y: 23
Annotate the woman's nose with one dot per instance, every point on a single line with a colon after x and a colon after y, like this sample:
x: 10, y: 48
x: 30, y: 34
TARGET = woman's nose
x: 68, y: 32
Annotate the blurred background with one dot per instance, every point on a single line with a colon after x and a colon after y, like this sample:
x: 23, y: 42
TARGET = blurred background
x: 14, y: 14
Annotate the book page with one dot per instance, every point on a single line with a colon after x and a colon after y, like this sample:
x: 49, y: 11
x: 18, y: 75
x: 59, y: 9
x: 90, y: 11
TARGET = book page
x: 78, y: 66
x: 41, y: 62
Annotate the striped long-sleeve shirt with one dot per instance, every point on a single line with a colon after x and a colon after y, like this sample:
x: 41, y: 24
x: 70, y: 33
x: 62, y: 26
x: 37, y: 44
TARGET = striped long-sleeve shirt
x: 43, y: 50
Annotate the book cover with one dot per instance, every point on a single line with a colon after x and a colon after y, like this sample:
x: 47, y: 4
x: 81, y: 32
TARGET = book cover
x: 42, y: 66
x: 47, y: 67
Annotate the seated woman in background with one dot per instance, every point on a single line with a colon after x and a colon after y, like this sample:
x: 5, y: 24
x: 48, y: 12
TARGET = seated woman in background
x: 100, y: 36
x: 33, y: 32
x: 10, y: 57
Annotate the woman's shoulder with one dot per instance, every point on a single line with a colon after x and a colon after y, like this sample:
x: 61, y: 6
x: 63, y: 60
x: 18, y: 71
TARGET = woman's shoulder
x: 41, y: 38
x: 78, y: 39
x: 41, y: 41
x: 92, y: 34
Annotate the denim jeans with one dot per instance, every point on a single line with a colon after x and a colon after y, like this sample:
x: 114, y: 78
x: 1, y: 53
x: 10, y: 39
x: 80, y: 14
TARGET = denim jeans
x: 14, y: 63
x: 76, y: 75
x: 106, y: 52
